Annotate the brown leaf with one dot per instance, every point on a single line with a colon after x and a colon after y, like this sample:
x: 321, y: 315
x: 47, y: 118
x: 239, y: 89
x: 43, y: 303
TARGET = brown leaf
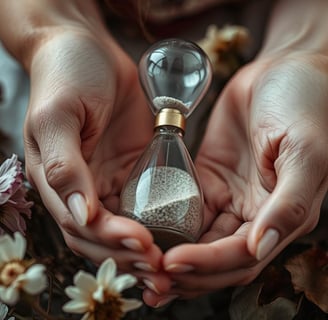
x: 309, y: 273
x: 244, y: 305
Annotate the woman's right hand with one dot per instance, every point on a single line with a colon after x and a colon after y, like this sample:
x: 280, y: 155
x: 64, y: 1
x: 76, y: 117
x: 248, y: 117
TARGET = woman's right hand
x: 86, y: 124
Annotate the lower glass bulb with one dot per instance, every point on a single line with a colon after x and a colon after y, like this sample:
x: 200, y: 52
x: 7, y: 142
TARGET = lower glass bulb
x: 163, y: 192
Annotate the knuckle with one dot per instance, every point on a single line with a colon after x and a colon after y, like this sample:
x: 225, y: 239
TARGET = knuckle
x: 58, y: 172
x: 73, y: 244
x: 297, y: 213
x: 68, y: 225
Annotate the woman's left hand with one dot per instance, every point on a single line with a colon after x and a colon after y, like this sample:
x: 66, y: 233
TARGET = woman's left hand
x: 263, y: 165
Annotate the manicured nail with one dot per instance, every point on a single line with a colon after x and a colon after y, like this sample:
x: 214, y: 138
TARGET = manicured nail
x: 150, y: 285
x: 179, y: 268
x: 78, y: 207
x: 268, y: 241
x: 144, y: 266
x: 133, y: 244
x: 165, y: 301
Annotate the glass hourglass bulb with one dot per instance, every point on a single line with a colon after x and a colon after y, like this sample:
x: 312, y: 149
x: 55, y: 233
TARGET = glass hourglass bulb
x: 162, y: 191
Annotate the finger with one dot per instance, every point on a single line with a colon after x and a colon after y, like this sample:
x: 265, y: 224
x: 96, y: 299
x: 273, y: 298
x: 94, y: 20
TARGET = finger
x: 190, y: 284
x: 155, y: 300
x: 107, y: 229
x: 116, y: 232
x: 56, y: 144
x: 127, y: 260
x: 145, y: 266
x: 224, y: 225
x: 293, y: 207
x: 229, y: 253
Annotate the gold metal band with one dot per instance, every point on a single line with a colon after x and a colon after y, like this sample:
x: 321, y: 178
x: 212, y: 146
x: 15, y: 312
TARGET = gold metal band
x: 170, y: 117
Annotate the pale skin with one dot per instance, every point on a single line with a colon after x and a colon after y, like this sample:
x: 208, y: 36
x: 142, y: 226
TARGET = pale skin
x: 263, y: 161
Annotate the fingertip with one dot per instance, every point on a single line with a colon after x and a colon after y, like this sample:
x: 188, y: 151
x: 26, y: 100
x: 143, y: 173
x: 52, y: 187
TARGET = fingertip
x: 267, y: 243
x: 130, y: 233
x: 81, y: 208
x: 78, y: 206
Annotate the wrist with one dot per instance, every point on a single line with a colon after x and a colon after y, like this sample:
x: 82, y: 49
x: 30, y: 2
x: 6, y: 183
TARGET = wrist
x: 25, y: 27
x: 297, y: 26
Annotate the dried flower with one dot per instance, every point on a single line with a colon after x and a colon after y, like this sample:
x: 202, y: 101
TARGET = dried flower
x: 4, y: 312
x: 12, y: 196
x: 17, y: 274
x: 223, y: 47
x: 100, y: 298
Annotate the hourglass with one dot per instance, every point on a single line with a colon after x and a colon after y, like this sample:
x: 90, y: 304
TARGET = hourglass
x: 162, y: 191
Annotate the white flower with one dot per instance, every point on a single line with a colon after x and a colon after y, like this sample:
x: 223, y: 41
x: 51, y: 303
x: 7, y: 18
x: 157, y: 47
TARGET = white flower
x: 17, y: 274
x: 4, y: 312
x: 12, y: 196
x: 100, y: 298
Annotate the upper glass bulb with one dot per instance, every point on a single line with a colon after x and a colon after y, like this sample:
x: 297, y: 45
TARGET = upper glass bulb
x: 175, y: 74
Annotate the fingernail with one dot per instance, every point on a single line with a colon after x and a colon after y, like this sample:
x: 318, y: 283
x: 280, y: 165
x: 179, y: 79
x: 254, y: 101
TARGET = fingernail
x: 179, y: 267
x: 268, y: 241
x: 150, y: 285
x: 78, y: 207
x: 133, y: 244
x: 144, y: 266
x: 165, y: 301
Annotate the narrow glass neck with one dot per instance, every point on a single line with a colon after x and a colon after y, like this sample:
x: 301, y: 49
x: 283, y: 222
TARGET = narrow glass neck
x: 170, y: 117
x: 167, y: 129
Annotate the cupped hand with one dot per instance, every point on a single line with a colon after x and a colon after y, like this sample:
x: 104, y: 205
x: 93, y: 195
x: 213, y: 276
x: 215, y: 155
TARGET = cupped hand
x: 263, y: 164
x: 87, y: 123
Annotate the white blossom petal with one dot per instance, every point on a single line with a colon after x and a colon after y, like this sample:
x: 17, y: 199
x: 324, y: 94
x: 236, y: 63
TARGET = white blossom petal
x: 74, y: 306
x: 3, y: 311
x: 122, y: 282
x: 34, y: 279
x: 90, y: 291
x: 6, y: 253
x: 77, y: 294
x: 9, y: 295
x: 130, y: 304
x: 19, y: 245
x: 8, y: 172
x: 106, y: 272
x: 12, y: 248
x: 99, y: 294
x: 85, y: 281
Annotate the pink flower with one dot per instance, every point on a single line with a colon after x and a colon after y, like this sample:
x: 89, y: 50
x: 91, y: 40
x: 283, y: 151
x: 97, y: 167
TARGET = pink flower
x: 13, y: 204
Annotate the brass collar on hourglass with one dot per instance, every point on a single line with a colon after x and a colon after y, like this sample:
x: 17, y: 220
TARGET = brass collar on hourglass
x: 163, y: 191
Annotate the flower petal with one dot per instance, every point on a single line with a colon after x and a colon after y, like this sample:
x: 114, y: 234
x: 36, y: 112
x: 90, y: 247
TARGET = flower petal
x: 106, y: 272
x: 3, y: 310
x: 76, y: 306
x: 99, y: 294
x: 19, y: 245
x: 9, y: 295
x: 77, y: 294
x: 6, y: 245
x: 12, y: 248
x: 123, y: 282
x: 34, y: 279
x: 130, y: 304
x: 85, y: 281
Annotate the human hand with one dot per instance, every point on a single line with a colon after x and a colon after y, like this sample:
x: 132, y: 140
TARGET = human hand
x: 86, y: 124
x: 264, y: 169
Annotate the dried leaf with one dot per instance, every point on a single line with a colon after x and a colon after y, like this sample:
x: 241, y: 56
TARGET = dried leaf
x: 309, y: 273
x: 276, y: 283
x: 244, y: 306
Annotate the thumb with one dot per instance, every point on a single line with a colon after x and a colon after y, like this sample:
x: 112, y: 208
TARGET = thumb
x: 292, y: 209
x: 62, y: 167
